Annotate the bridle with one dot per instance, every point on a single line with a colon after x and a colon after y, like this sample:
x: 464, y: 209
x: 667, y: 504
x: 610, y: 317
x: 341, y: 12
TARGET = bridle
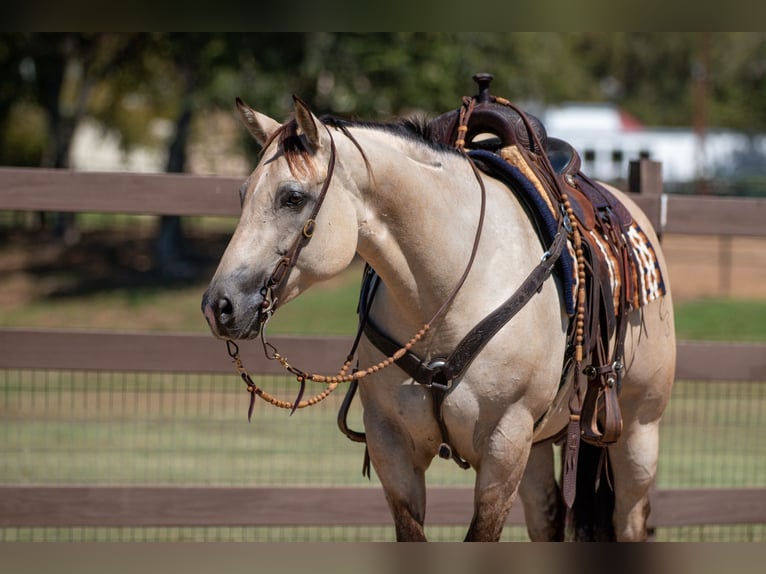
x: 283, y: 267
x: 279, y: 275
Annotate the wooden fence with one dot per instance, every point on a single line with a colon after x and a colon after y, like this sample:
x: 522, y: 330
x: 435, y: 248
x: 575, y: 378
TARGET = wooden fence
x: 94, y: 505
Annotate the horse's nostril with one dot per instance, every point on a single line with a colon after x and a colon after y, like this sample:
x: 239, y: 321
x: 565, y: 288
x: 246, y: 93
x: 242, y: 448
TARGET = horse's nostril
x: 224, y: 307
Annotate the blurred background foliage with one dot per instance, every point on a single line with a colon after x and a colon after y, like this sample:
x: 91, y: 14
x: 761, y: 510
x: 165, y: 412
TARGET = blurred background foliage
x: 50, y: 82
x: 173, y: 93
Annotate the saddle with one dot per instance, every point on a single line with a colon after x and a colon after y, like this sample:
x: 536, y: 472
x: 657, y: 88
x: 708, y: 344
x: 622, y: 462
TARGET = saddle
x: 493, y: 124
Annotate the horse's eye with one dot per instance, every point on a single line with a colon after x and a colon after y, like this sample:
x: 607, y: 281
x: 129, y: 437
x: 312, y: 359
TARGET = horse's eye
x: 295, y: 199
x: 292, y: 197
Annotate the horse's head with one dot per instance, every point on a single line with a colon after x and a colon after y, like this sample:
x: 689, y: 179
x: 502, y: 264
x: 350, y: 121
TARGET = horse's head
x: 297, y: 227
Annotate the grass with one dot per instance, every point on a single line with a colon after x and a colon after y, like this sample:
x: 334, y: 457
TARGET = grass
x: 112, y: 428
x: 721, y: 319
x: 326, y: 309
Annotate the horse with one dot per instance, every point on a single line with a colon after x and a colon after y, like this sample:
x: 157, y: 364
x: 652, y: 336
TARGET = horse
x: 326, y: 190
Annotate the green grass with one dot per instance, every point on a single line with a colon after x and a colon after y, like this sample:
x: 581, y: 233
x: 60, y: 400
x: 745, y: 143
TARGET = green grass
x: 140, y: 308
x: 325, y: 309
x: 112, y: 428
x: 721, y: 319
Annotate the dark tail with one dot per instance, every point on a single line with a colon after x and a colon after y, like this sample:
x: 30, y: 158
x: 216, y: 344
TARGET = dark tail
x: 594, y: 503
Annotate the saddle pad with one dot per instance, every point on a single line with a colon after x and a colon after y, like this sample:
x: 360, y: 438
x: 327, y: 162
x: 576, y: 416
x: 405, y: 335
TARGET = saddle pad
x: 650, y: 285
x: 539, y: 211
x: 645, y: 271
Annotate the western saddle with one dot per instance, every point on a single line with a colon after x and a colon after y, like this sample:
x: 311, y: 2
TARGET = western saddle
x: 493, y: 132
x: 599, y: 322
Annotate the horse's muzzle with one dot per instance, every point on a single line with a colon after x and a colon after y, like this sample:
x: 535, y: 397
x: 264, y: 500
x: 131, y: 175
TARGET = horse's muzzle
x: 226, y: 321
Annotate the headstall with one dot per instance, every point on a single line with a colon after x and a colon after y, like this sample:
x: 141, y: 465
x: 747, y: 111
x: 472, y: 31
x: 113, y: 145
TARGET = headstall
x: 270, y: 301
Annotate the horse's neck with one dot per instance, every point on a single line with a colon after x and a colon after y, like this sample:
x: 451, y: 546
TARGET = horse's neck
x: 421, y: 217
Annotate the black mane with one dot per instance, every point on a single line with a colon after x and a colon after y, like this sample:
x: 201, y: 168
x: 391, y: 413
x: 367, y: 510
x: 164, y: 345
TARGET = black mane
x: 414, y: 128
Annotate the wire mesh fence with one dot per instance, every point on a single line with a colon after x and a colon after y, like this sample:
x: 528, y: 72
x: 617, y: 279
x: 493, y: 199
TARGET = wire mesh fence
x: 106, y: 428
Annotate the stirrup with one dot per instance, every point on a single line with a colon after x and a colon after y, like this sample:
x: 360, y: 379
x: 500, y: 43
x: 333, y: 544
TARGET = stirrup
x: 601, y: 420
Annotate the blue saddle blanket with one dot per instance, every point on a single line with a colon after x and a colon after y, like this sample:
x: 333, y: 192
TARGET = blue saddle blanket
x: 538, y: 211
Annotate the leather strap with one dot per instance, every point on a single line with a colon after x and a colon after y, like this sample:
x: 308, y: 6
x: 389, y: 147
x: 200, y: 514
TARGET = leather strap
x: 601, y: 418
x: 283, y: 267
x: 475, y: 340
x: 441, y: 372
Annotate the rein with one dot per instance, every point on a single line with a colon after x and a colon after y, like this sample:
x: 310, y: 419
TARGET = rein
x: 281, y: 272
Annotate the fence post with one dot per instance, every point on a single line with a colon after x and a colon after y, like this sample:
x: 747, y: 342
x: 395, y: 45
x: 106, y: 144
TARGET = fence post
x: 645, y: 178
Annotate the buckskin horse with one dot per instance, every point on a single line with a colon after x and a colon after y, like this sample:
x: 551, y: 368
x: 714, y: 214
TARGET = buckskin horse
x: 510, y: 303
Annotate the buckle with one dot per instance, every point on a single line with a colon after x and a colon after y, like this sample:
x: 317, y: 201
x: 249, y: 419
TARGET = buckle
x: 441, y: 377
x: 613, y: 373
x: 308, y: 228
x: 565, y: 220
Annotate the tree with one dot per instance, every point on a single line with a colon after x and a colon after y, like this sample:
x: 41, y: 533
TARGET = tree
x: 58, y: 72
x: 187, y: 67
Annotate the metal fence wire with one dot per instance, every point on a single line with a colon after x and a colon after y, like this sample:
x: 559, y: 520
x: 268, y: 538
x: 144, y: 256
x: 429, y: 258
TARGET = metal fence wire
x: 108, y: 428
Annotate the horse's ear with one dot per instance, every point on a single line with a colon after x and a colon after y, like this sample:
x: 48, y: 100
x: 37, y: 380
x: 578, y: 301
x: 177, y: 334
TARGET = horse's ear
x: 260, y: 126
x: 308, y: 123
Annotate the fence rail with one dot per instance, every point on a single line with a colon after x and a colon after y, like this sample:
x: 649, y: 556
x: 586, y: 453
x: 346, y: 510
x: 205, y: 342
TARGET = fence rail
x: 201, y: 353
x: 54, y: 505
x: 178, y: 194
x: 310, y: 506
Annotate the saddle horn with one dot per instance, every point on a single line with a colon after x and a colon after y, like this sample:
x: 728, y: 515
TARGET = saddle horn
x: 489, y: 116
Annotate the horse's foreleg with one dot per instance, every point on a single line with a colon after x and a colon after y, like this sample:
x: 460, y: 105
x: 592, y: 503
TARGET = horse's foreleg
x: 541, y: 496
x: 408, y: 518
x: 402, y: 477
x: 498, y: 477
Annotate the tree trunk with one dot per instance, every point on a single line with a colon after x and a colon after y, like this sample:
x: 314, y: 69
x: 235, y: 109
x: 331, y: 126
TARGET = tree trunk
x: 170, y: 256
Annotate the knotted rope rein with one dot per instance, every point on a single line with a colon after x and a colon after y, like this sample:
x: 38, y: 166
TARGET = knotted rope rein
x: 573, y: 432
x: 332, y: 381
